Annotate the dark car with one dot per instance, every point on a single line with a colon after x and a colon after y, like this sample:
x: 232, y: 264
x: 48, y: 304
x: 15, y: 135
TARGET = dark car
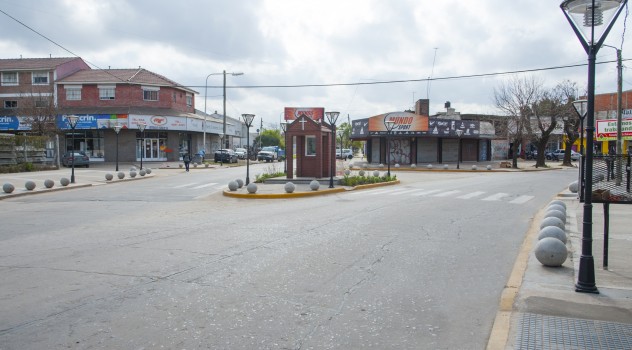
x: 225, y: 156
x: 80, y: 158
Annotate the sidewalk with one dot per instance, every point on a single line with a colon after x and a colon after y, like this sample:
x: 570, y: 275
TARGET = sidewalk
x: 540, y: 308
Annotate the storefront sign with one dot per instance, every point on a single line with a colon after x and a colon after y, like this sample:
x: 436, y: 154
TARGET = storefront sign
x: 14, y: 123
x: 448, y: 128
x: 405, y: 124
x: 607, y: 129
x: 314, y: 113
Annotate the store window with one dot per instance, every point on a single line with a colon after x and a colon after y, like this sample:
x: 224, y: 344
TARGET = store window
x: 89, y: 141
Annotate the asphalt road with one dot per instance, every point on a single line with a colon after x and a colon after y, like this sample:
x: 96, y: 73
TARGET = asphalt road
x: 169, y: 262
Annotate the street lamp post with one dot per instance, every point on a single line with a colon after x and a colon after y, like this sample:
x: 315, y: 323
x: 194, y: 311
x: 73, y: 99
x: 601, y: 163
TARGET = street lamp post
x: 72, y: 120
x: 459, y: 133
x: 596, y: 18
x: 117, y: 129
x: 248, y: 118
x: 221, y: 149
x: 284, y: 128
x: 390, y: 125
x: 332, y: 117
x: 141, y: 127
x: 224, y: 92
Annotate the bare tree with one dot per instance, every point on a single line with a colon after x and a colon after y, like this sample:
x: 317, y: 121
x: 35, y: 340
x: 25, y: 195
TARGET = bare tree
x: 39, y: 110
x: 516, y: 98
x: 569, y: 117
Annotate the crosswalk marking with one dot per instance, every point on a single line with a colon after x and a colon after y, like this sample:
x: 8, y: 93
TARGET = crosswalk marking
x: 521, y: 199
x: 406, y: 191
x: 471, y: 195
x: 390, y: 191
x: 423, y: 193
x: 205, y: 185
x: 186, y: 185
x: 495, y: 197
x: 446, y: 194
x: 375, y: 191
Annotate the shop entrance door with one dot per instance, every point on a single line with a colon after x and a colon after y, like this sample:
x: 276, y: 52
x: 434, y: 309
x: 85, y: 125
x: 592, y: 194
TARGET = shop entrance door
x: 152, y: 149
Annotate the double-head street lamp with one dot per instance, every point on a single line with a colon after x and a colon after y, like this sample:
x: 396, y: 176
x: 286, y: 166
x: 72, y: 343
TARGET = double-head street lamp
x: 248, y: 118
x: 284, y: 128
x: 459, y: 133
x: 332, y: 118
x: 141, y: 127
x: 117, y: 130
x: 224, y: 92
x: 591, y: 21
x: 390, y: 125
x: 72, y: 120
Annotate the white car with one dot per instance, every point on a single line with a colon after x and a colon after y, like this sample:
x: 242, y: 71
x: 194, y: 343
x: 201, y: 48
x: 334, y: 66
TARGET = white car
x: 345, y: 154
x: 241, y: 153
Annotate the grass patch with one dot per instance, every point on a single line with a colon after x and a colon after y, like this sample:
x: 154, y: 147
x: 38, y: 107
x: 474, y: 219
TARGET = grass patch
x: 363, y: 180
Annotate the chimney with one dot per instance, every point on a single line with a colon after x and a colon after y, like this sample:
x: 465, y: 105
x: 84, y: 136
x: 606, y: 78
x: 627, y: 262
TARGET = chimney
x: 422, y: 107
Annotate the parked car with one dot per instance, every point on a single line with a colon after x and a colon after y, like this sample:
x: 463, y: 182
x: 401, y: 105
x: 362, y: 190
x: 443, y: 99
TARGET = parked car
x: 270, y: 154
x: 345, y: 154
x: 241, y: 153
x: 80, y: 158
x: 558, y: 154
x: 225, y: 156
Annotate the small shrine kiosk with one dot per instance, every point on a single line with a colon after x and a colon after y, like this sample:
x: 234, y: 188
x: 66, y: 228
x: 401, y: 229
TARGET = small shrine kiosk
x: 313, y: 139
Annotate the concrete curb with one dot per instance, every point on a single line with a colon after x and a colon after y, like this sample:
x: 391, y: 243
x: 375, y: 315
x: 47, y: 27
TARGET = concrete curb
x: 232, y: 194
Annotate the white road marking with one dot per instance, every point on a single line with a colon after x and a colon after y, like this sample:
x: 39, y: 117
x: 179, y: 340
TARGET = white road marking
x: 186, y: 185
x: 521, y: 199
x: 205, y: 185
x: 471, y: 195
x: 446, y: 194
x: 495, y: 197
x: 423, y: 193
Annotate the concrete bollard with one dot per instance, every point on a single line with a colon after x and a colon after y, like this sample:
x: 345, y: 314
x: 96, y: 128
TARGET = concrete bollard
x: 429, y: 166
x: 397, y: 165
x: 132, y: 174
x: 361, y: 173
x: 347, y: 172
x: 551, y: 252
x: 64, y: 181
x: 289, y: 187
x: 556, y: 207
x: 48, y: 183
x: 558, y: 202
x: 556, y: 214
x: 252, y: 187
x: 240, y: 183
x: 8, y: 188
x: 121, y: 175
x: 552, y: 231
x: 381, y: 165
x: 489, y: 167
x: 445, y: 166
x: 573, y: 187
x: 232, y: 185
x: 29, y: 185
x: 413, y: 166
x: 148, y: 170
x: 474, y: 167
x: 551, y: 222
x: 142, y: 172
x: 314, y: 185
x: 376, y: 173
x: 109, y: 177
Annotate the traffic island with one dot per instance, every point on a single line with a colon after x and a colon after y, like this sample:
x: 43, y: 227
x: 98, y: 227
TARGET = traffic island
x: 277, y: 191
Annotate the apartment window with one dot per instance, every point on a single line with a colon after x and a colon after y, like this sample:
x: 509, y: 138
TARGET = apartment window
x: 73, y: 92
x: 189, y: 100
x: 40, y: 78
x: 106, y: 92
x: 150, y: 93
x: 9, y: 78
x: 11, y: 104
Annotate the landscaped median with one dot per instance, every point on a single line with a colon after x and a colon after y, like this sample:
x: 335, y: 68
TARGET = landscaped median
x: 277, y: 191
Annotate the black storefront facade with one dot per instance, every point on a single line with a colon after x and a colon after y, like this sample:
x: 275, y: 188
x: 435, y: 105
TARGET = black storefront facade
x: 419, y: 139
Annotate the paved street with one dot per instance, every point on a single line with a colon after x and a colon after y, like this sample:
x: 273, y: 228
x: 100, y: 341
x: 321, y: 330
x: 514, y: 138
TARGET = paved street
x: 170, y: 262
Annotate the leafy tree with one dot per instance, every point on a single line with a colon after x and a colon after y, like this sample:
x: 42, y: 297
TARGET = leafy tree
x: 270, y: 137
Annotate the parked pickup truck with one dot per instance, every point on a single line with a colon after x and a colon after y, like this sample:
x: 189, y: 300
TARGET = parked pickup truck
x: 271, y: 154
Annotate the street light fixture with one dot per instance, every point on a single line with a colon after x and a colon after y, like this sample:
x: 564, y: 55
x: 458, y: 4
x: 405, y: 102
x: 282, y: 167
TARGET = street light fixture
x: 205, y: 98
x: 141, y: 127
x: 332, y: 117
x: 459, y: 133
x: 117, y: 130
x: 284, y: 128
x: 72, y: 120
x: 390, y: 125
x: 248, y: 118
x: 591, y: 21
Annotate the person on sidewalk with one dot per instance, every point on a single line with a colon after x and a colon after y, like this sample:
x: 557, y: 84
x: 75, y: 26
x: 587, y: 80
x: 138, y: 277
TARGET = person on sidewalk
x: 186, y: 158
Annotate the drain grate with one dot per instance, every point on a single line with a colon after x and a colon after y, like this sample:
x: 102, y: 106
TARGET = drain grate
x: 562, y: 333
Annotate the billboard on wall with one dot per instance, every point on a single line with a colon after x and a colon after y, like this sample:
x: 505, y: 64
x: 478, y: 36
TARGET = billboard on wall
x: 405, y: 123
x: 315, y: 113
x: 607, y: 129
x: 94, y: 121
x: 14, y: 123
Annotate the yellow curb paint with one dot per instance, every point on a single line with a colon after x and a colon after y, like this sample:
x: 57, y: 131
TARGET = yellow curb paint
x: 231, y: 194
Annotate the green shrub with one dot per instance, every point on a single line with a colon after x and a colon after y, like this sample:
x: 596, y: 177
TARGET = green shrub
x: 363, y: 180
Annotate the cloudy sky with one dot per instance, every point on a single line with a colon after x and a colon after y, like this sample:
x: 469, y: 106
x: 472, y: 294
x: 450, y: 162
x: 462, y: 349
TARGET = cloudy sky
x: 281, y: 44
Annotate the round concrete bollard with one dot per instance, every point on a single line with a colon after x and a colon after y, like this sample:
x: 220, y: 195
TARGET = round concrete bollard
x: 148, y: 170
x: 121, y: 175
x: 361, y: 173
x: 397, y: 165
x: 573, y: 187
x: 132, y: 174
x: 489, y: 167
x: 314, y: 185
x: 445, y: 166
x: 551, y: 222
x: 232, y: 185
x: 413, y: 166
x: 429, y: 166
x: 347, y: 172
x: 109, y: 177
x: 376, y: 173
x: 552, y: 231
x: 474, y: 167
x: 551, y: 252
x: 206, y: 165
x: 252, y: 187
x: 240, y: 183
x: 181, y: 165
x: 132, y: 168
x: 556, y: 207
x: 48, y: 183
x: 558, y: 202
x: 365, y: 166
x: 64, y: 181
x: 29, y: 185
x: 381, y: 165
x: 289, y: 187
x: 556, y: 214
x: 195, y: 165
x: 142, y: 172
x: 8, y: 188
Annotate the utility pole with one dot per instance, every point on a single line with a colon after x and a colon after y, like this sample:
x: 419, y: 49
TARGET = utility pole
x: 619, y: 174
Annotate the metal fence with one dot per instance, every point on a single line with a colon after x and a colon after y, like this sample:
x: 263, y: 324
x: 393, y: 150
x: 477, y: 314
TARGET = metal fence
x: 611, y: 179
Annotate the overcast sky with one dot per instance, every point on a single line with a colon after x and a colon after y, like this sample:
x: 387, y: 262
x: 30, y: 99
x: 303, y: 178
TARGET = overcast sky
x: 298, y: 42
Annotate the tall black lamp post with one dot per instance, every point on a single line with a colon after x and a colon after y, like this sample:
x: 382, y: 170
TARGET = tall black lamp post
x: 284, y: 128
x: 390, y: 125
x: 248, y: 118
x: 72, y: 120
x: 591, y: 21
x: 459, y: 133
x: 117, y: 130
x: 332, y: 118
x: 221, y: 149
x: 141, y: 127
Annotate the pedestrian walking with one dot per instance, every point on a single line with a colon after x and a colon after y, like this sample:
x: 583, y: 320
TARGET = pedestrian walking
x: 186, y: 158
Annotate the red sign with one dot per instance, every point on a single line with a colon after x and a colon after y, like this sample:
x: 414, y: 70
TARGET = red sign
x: 314, y: 113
